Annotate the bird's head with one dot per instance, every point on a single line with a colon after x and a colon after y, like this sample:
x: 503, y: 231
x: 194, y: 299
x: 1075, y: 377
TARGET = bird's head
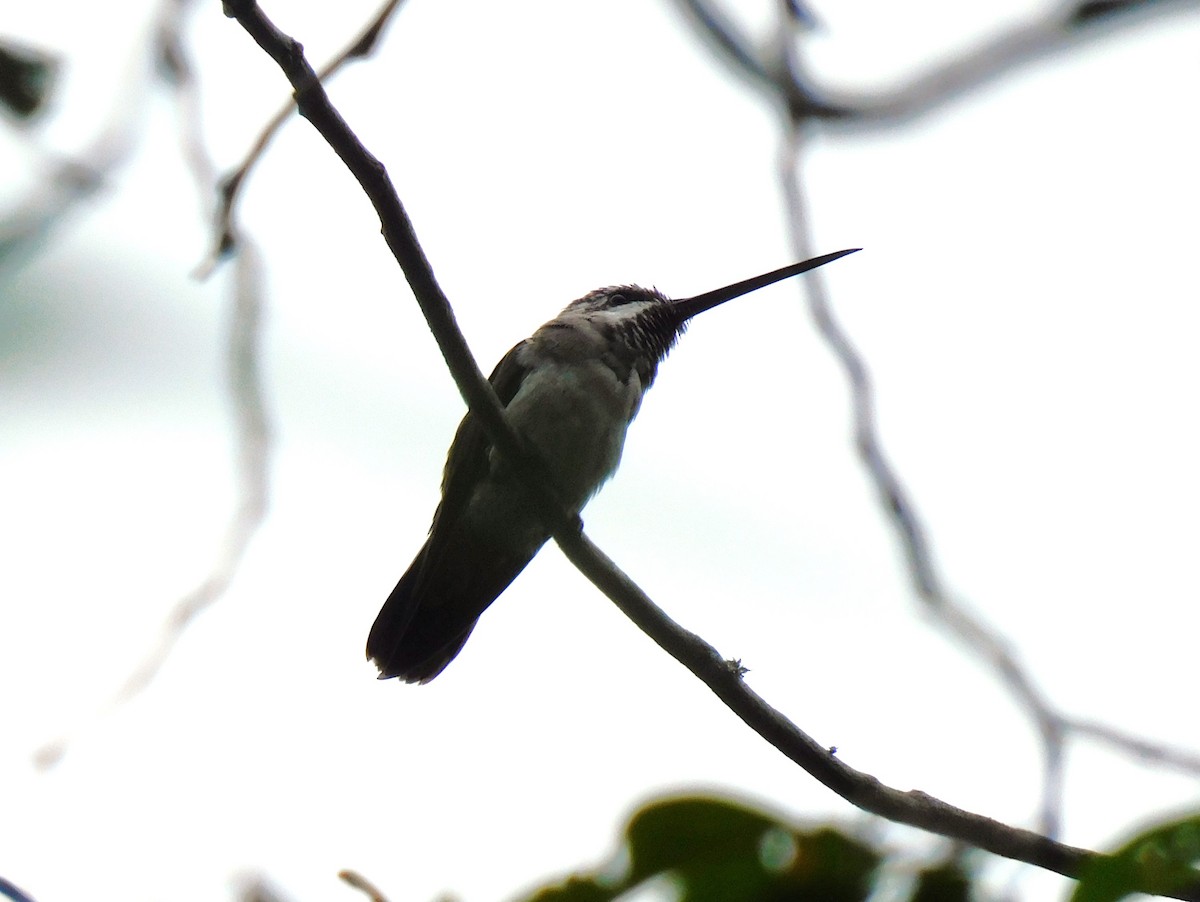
x: 647, y: 322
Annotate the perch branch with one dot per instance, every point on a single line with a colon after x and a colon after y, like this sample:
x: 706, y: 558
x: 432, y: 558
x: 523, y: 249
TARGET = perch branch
x: 914, y: 808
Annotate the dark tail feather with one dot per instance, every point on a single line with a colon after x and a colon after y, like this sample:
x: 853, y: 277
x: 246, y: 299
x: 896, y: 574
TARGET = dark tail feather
x: 428, y: 617
x: 395, y: 615
x: 397, y: 644
x: 406, y: 642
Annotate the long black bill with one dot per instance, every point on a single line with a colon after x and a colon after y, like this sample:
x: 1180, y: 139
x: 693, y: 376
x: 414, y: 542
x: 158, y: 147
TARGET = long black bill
x: 689, y: 307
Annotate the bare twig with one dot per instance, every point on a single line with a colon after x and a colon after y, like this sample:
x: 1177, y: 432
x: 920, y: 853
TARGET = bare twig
x: 361, y: 883
x: 12, y: 891
x: 231, y: 184
x: 243, y: 370
x: 863, y: 790
x: 901, y: 510
x: 1156, y: 753
x: 243, y: 339
x: 1058, y: 30
x: 314, y: 105
x: 252, y: 433
x: 750, y: 62
x: 780, y: 75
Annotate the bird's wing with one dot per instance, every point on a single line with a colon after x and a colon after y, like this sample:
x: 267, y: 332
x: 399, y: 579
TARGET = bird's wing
x: 458, y: 573
x: 467, y: 463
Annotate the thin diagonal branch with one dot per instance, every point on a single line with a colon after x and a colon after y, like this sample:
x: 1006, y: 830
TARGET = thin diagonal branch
x: 1061, y: 29
x: 900, y: 508
x: 780, y: 75
x: 398, y: 233
x: 863, y: 790
x: 756, y: 65
x: 363, y: 885
x: 12, y: 891
x: 1058, y: 30
x: 1150, y: 752
x: 231, y: 184
x: 895, y: 499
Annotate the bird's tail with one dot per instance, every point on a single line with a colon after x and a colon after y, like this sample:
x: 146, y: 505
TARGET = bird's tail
x: 430, y: 614
x: 399, y: 651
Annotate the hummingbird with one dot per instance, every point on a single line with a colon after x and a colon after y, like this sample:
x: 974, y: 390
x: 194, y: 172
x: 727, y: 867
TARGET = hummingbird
x: 570, y: 390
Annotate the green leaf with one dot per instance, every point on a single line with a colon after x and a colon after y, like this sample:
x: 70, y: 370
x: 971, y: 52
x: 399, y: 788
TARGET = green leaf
x: 578, y: 889
x: 721, y: 851
x: 25, y: 76
x: 717, y: 850
x: 1161, y: 861
x: 682, y: 832
x: 947, y: 882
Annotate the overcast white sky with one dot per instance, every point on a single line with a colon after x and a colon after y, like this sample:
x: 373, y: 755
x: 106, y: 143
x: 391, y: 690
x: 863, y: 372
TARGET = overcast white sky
x: 1027, y: 300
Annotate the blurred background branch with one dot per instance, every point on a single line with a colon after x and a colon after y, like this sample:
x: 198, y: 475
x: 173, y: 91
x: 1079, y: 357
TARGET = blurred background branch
x: 289, y: 685
x: 243, y: 376
x: 780, y: 73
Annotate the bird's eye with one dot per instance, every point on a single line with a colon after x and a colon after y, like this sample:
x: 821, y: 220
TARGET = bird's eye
x: 616, y: 300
